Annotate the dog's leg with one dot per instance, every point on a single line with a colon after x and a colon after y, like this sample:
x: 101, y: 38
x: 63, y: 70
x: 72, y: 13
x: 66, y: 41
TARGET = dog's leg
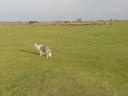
x: 49, y: 54
x: 41, y: 53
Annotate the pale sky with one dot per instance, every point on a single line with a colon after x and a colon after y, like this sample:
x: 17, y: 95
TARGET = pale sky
x: 50, y: 10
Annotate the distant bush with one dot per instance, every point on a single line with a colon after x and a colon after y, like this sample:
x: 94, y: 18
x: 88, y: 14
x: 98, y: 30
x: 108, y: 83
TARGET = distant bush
x: 31, y: 22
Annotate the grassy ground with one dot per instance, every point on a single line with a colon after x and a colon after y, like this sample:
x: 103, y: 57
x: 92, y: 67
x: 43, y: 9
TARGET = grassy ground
x: 87, y: 60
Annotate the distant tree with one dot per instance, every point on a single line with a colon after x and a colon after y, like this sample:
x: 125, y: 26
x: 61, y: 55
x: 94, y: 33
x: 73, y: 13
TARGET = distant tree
x: 31, y: 22
x: 110, y: 20
x: 19, y: 22
x: 79, y: 20
x: 66, y: 21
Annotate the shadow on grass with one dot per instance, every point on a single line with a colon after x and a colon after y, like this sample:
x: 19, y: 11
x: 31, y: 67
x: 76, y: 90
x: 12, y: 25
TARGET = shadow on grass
x: 28, y: 51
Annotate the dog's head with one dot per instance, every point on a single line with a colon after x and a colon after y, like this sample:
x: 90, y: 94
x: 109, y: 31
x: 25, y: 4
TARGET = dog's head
x: 37, y: 44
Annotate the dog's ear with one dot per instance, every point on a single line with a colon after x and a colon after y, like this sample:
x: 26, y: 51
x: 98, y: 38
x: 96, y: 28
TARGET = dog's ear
x: 36, y: 43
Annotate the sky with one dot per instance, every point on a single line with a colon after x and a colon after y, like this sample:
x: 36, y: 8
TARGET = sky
x: 55, y: 10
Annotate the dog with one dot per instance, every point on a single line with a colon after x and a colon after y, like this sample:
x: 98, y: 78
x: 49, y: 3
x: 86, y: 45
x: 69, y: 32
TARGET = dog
x: 43, y: 49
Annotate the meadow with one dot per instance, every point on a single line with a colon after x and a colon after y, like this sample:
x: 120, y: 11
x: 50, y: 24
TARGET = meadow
x: 86, y: 60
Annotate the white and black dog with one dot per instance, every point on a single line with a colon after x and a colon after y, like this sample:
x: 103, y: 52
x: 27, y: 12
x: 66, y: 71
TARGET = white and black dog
x: 43, y: 49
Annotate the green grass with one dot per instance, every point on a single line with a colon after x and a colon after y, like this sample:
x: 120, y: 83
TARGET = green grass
x: 86, y: 60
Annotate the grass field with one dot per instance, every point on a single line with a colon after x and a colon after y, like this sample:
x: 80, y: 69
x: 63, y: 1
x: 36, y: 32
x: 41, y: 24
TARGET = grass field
x: 86, y: 60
